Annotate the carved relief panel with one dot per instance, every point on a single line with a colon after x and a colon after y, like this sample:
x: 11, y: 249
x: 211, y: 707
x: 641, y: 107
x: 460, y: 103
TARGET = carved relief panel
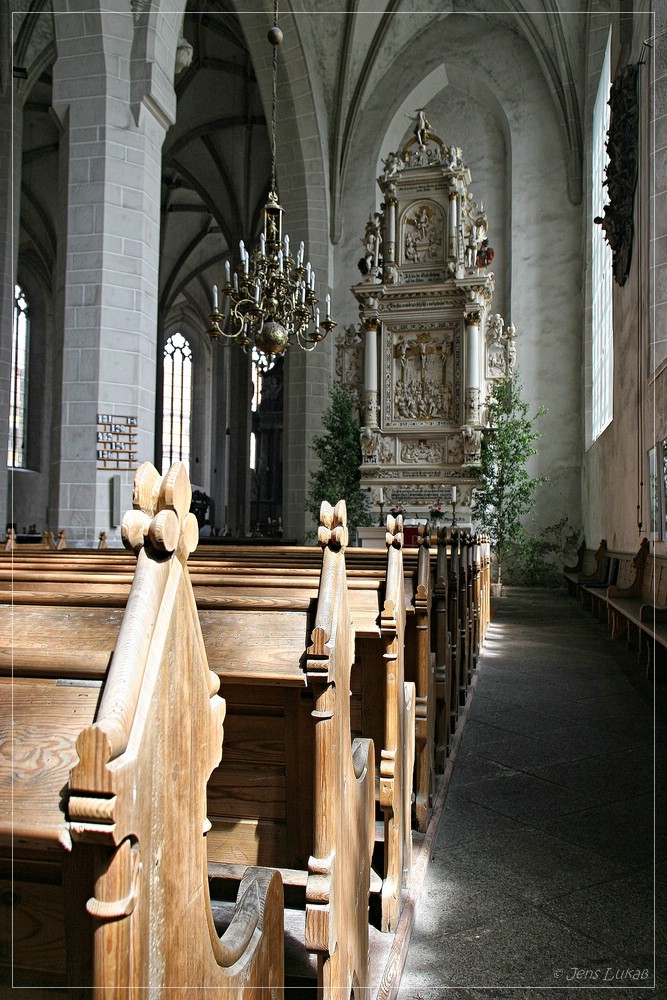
x: 422, y: 375
x: 422, y: 233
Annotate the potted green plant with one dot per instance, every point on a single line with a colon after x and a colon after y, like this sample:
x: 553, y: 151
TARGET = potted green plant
x: 507, y: 493
x: 339, y: 451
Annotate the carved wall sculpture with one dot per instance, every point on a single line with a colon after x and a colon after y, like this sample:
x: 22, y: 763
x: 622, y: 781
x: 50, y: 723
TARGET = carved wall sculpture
x: 621, y: 172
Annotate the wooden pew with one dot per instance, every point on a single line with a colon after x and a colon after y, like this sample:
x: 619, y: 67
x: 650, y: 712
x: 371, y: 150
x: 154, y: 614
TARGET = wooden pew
x: 378, y: 612
x: 295, y: 790
x: 110, y: 886
x: 420, y: 668
x: 443, y: 650
x: 589, y: 568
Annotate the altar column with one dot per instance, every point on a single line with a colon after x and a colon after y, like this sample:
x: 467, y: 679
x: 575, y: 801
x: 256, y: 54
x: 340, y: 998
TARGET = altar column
x: 371, y: 372
x: 472, y: 383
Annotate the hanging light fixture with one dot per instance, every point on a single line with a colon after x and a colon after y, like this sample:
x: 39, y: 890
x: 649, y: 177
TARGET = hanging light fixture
x: 271, y: 294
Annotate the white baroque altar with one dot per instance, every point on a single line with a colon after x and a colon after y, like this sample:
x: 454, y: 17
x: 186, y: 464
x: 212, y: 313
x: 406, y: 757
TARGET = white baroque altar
x: 428, y: 346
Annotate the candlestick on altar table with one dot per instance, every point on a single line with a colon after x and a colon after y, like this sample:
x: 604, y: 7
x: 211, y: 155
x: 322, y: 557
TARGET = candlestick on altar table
x: 380, y: 495
x: 453, y: 494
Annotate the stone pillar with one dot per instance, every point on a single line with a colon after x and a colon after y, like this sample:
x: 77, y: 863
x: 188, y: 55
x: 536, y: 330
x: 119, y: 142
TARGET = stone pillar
x: 114, y: 107
x: 371, y: 372
x: 472, y: 355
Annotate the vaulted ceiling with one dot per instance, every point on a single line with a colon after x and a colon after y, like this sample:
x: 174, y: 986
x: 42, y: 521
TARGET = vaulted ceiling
x: 216, y: 157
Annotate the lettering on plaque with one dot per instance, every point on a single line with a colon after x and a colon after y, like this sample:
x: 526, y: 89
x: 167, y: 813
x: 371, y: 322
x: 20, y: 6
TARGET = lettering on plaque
x: 116, y: 441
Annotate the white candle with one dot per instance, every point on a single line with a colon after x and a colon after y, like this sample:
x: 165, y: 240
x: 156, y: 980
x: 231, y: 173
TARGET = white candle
x: 380, y: 495
x: 236, y: 282
x: 317, y: 318
x: 303, y: 293
x: 286, y: 241
x: 262, y: 244
x: 246, y: 264
x: 328, y: 300
x: 215, y: 297
x: 312, y: 280
x: 242, y: 249
x: 453, y: 494
x: 308, y: 273
x: 257, y: 292
x: 228, y: 272
x: 302, y: 250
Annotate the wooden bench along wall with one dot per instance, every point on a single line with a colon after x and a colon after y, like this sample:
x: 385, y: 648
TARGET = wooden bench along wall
x: 635, y: 606
x: 110, y: 882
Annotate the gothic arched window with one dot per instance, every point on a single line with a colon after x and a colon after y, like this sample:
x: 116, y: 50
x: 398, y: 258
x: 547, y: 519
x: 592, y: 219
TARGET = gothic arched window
x: 602, y: 332
x: 18, y: 389
x: 176, y: 402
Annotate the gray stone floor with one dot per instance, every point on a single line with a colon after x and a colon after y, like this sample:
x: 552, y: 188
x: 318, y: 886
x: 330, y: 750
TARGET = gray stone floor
x: 542, y: 876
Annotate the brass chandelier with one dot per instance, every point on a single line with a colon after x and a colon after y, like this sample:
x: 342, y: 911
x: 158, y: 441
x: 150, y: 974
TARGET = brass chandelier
x: 270, y: 297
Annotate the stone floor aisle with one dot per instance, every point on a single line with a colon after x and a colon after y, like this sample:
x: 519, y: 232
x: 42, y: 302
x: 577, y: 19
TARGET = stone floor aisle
x: 542, y: 875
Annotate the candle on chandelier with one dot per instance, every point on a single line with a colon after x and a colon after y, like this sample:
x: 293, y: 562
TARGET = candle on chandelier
x: 328, y: 302
x: 303, y: 293
x: 302, y: 250
x: 246, y: 262
x: 236, y: 282
x: 262, y: 244
x: 312, y: 280
x: 242, y: 249
x: 215, y: 297
x: 286, y: 242
x: 317, y: 318
x: 280, y: 261
x: 228, y: 272
x: 257, y: 291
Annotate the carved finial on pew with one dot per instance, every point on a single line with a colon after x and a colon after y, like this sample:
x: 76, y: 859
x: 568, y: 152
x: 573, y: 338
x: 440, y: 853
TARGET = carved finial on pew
x: 394, y: 535
x: 332, y: 531
x: 424, y: 535
x: 160, y: 519
x: 103, y: 540
x: 62, y: 540
x: 10, y: 540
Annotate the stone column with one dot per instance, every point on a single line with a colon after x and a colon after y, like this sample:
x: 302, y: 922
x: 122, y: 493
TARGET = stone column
x: 472, y: 383
x: 114, y: 105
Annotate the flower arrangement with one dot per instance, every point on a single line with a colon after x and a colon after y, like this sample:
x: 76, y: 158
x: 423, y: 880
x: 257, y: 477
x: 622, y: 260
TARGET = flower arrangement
x: 435, y: 511
x: 398, y: 509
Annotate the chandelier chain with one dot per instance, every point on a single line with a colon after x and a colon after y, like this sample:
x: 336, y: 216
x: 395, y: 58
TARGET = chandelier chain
x: 274, y: 106
x: 269, y: 302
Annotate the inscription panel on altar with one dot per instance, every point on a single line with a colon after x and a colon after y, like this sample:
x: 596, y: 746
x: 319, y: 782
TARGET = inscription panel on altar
x: 422, y: 372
